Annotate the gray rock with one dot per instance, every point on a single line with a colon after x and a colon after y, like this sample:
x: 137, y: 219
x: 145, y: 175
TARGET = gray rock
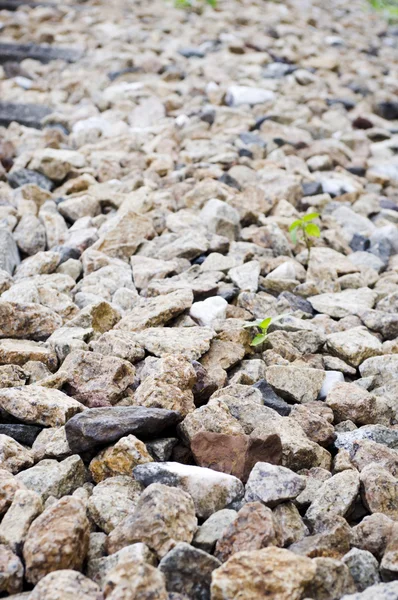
x: 212, y: 529
x: 188, y: 571
x: 100, y: 426
x: 363, y: 567
x: 52, y: 478
x: 9, y: 255
x: 380, y: 591
x: 298, y: 384
x: 272, y: 484
x: 336, y: 496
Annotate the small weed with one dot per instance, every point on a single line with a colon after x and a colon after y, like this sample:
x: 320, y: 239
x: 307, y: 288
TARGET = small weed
x: 388, y: 7
x: 191, y: 3
x: 307, y: 229
x: 263, y: 325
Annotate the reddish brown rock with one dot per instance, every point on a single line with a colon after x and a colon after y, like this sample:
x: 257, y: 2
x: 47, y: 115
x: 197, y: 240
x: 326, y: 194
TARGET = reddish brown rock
x: 254, y: 528
x: 11, y: 571
x: 235, y: 454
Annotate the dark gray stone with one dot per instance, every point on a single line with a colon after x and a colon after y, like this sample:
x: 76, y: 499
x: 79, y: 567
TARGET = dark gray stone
x: 188, y: 571
x: 23, y: 176
x: 271, y: 399
x: 297, y: 303
x: 24, y: 434
x: 30, y: 115
x: 387, y: 110
x: 100, y: 426
x: 161, y: 450
x: 44, y: 54
x: 9, y: 254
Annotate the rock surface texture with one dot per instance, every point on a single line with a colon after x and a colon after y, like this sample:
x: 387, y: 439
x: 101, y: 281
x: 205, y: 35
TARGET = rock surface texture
x: 153, y: 158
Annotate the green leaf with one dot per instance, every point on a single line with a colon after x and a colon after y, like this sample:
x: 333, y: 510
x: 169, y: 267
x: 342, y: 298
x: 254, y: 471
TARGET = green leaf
x: 295, y: 224
x: 212, y: 3
x: 310, y: 217
x: 253, y: 323
x: 312, y: 230
x: 265, y: 324
x: 293, y: 235
x: 259, y: 339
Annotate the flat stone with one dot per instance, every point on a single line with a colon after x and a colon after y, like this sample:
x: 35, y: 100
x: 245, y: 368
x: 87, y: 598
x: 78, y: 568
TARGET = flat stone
x: 25, y: 507
x: 51, y: 478
x: 67, y: 582
x: 19, y: 352
x: 119, y: 459
x: 213, y: 528
x: 24, y: 434
x: 101, y: 426
x: 191, y: 342
x: 44, y: 54
x: 29, y: 115
x: 9, y: 254
x: 296, y: 383
x: 152, y: 312
x: 37, y: 405
x: 31, y: 321
x: 354, y: 346
x: 336, y: 496
x: 342, y: 304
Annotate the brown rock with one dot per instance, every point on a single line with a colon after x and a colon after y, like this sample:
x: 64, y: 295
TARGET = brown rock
x: 163, y: 517
x: 130, y: 580
x: 97, y: 380
x: 13, y: 456
x: 351, y: 402
x: 290, y: 524
x: 254, y: 528
x: 8, y: 488
x: 30, y: 321
x: 12, y: 376
x: 19, y: 352
x: 119, y: 459
x: 270, y: 572
x: 213, y: 417
x: 379, y: 491
x: 66, y: 585
x: 58, y: 539
x: 235, y: 454
x: 127, y: 232
x: 152, y: 312
x: 332, y: 580
x: 365, y: 452
x: 316, y: 424
x: 25, y: 507
x: 11, y: 572
x: 331, y: 538
x: 170, y: 387
x: 373, y: 534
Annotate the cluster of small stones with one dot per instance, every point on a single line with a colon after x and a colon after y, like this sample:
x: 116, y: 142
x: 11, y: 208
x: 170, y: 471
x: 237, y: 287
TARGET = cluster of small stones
x: 147, y: 450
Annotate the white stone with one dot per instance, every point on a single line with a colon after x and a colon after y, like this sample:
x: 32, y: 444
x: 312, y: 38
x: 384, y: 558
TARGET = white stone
x: 242, y: 94
x: 210, y: 311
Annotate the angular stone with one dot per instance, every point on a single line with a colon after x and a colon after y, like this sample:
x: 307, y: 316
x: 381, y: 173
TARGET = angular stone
x: 296, y: 383
x: 25, y: 507
x: 342, y: 304
x: 24, y: 434
x: 11, y: 571
x: 373, y: 533
x: 38, y: 405
x: 96, y: 380
x: 235, y: 454
x: 188, y: 570
x: 212, y: 529
x: 58, y: 539
x: 101, y: 426
x: 380, y: 591
x: 272, y: 484
x: 316, y: 420
x: 124, y: 234
x: 290, y: 525
x: 51, y: 443
x: 51, y: 478
x: 8, y: 488
x: 98, y: 568
x: 31, y: 321
x: 29, y: 115
x: 350, y: 402
x: 19, y: 352
x: 363, y: 567
x: 130, y: 579
x: 210, y: 490
x: 365, y: 452
x: 379, y: 491
x: 336, y: 496
x: 13, y: 456
x: 191, y: 342
x: 253, y: 528
x: 354, y: 345
x: 272, y: 572
x: 44, y: 54
x: 332, y: 579
x: 66, y: 584
x: 163, y: 517
x: 120, y: 344
x: 112, y: 500
x: 9, y: 255
x: 119, y: 459
x: 152, y: 312
x: 170, y: 387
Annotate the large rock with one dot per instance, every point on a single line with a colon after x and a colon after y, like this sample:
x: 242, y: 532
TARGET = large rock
x: 9, y: 255
x: 13, y: 456
x: 65, y: 584
x: 342, y: 304
x: 58, y: 539
x: 51, y: 478
x: 296, y: 384
x: 112, y: 500
x: 188, y: 570
x: 210, y: 490
x: 354, y: 345
x: 19, y: 352
x: 38, y: 405
x: 119, y: 459
x: 123, y: 234
x: 380, y: 591
x: 163, y: 517
x: 271, y: 572
x: 25, y: 507
x: 379, y: 491
x: 191, y: 342
x: 101, y: 426
x: 131, y: 579
x: 350, y: 402
x: 11, y: 571
x: 254, y: 528
x: 272, y: 484
x: 235, y: 454
x: 170, y: 386
x: 336, y: 496
x: 96, y: 380
x: 31, y: 321
x: 152, y: 312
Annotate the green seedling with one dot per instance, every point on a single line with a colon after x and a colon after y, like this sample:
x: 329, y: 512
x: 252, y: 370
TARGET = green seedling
x: 388, y: 7
x: 263, y: 325
x: 190, y: 3
x: 307, y: 229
